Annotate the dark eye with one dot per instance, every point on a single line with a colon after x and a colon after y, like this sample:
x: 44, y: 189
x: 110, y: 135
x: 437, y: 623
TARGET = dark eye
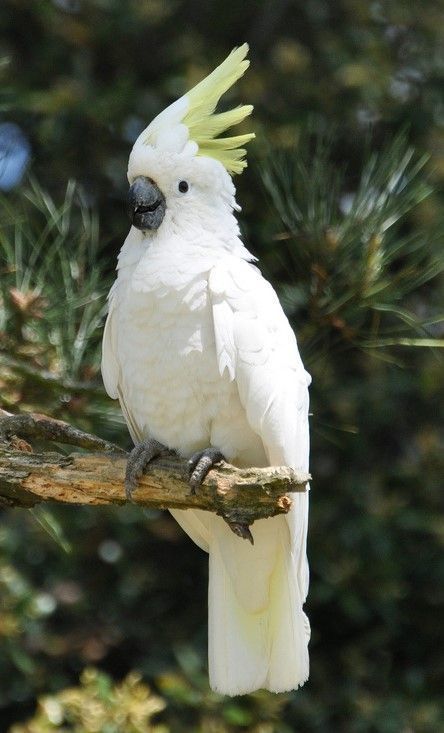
x: 183, y: 186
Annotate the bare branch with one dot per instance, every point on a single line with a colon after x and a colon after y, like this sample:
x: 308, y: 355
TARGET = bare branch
x: 28, y: 478
x: 35, y: 425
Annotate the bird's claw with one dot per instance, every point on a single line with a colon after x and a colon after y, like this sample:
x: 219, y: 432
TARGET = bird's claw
x: 138, y: 459
x: 200, y: 464
x: 241, y: 530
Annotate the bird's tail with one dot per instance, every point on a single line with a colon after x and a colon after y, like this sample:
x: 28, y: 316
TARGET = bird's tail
x: 258, y: 633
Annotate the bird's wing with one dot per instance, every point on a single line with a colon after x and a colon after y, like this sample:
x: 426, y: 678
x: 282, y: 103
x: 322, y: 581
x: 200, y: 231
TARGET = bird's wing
x: 256, y: 345
x: 193, y: 522
x: 110, y: 366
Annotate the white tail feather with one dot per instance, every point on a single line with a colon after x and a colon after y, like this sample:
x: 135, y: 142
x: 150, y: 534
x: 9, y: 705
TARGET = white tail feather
x: 257, y: 631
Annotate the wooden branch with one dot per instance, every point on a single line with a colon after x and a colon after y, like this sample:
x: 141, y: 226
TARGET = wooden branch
x: 28, y: 478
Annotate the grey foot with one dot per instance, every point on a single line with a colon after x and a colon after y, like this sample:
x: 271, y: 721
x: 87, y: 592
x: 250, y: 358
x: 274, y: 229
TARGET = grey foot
x: 199, y: 465
x: 138, y: 459
x: 241, y: 530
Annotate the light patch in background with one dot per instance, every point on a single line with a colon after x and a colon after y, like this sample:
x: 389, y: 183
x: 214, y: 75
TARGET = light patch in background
x: 15, y: 152
x: 110, y: 551
x: 69, y: 6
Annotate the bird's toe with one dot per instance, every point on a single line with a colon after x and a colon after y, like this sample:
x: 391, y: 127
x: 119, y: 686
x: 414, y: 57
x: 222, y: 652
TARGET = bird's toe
x: 200, y: 463
x: 138, y: 459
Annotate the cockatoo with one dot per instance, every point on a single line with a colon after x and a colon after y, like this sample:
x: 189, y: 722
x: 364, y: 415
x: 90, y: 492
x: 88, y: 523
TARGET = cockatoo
x: 203, y: 360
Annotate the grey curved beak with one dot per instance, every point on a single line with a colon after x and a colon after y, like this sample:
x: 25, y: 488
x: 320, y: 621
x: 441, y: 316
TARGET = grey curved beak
x: 146, y: 204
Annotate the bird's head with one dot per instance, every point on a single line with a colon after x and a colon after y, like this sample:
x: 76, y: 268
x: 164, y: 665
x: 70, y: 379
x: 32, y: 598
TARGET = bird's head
x: 179, y: 164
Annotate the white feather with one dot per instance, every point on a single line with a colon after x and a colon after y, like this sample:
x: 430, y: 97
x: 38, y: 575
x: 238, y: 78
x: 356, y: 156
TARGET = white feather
x: 200, y: 353
x: 273, y: 389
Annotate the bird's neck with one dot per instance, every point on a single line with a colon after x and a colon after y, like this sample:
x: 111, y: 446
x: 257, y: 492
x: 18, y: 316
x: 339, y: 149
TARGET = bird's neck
x: 203, y: 239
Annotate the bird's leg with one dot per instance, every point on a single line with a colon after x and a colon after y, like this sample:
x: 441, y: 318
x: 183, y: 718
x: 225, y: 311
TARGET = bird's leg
x: 138, y: 459
x: 241, y: 529
x: 199, y: 465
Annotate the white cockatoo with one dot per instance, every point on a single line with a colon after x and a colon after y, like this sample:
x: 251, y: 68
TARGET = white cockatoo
x: 203, y: 360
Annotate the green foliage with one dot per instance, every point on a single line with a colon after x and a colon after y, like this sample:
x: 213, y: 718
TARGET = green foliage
x: 23, y: 609
x: 52, y: 288
x: 351, y: 266
x: 98, y: 706
x: 351, y: 237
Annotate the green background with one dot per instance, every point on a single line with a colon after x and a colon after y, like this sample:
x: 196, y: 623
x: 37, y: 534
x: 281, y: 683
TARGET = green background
x: 81, y: 79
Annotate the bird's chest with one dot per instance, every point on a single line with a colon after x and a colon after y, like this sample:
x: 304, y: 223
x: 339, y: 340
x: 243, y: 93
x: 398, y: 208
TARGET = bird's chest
x: 169, y: 374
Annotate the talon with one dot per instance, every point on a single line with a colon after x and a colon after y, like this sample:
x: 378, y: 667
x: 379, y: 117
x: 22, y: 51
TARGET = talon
x: 200, y: 464
x: 138, y: 459
x: 241, y: 530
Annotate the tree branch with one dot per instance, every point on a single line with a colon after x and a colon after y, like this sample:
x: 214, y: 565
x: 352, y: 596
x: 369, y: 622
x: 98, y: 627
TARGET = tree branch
x: 28, y: 478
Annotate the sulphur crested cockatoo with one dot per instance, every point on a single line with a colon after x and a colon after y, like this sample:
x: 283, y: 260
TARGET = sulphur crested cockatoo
x: 203, y: 360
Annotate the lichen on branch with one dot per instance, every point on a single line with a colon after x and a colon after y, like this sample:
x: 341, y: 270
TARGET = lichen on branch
x: 28, y: 478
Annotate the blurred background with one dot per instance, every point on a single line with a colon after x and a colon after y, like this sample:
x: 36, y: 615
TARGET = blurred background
x: 103, y: 611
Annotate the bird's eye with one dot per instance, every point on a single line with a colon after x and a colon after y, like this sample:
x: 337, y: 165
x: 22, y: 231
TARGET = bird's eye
x: 183, y: 186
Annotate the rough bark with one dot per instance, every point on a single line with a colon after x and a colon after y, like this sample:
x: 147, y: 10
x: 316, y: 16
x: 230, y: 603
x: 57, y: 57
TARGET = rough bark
x: 28, y: 478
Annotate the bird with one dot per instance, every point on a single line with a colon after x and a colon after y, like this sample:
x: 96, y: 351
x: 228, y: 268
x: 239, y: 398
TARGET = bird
x: 199, y: 352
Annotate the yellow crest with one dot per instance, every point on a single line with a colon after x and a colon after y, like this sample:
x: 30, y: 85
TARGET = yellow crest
x: 194, y: 113
x: 204, y: 126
